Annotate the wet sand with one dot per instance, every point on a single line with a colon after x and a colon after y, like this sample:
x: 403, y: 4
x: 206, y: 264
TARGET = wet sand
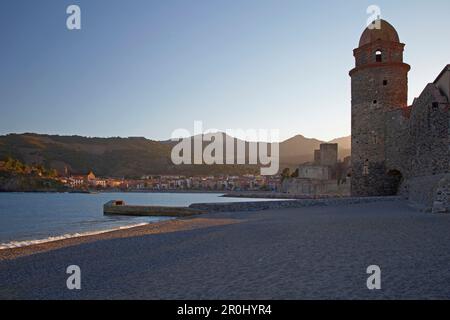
x: 152, y: 228
x: 301, y: 253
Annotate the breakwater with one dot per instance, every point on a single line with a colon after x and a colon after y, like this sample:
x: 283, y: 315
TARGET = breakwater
x: 283, y: 204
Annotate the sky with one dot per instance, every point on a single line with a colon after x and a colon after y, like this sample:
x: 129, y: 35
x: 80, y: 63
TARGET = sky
x: 148, y: 67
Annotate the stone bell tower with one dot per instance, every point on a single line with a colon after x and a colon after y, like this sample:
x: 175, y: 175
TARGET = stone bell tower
x: 379, y: 85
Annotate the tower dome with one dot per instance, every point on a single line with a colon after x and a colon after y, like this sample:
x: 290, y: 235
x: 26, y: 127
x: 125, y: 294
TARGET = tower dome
x: 386, y: 32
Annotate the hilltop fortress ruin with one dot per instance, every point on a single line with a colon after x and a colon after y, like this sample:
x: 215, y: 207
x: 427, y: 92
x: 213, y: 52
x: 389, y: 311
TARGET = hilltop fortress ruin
x: 398, y: 148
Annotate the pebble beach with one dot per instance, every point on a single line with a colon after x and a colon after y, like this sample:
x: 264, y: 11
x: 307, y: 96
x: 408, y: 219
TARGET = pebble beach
x: 294, y: 253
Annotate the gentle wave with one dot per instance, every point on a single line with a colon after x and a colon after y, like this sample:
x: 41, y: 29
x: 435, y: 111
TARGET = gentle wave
x: 26, y: 243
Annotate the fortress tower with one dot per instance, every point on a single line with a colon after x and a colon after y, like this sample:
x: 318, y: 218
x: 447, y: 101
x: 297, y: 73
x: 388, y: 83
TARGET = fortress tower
x: 379, y: 85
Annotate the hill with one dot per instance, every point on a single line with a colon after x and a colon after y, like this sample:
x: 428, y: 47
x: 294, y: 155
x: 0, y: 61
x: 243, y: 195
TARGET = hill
x: 129, y: 157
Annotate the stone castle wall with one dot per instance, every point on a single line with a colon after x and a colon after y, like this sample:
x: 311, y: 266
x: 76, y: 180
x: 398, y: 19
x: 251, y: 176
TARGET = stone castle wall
x: 429, y: 150
x: 429, y: 127
x: 441, y: 203
x: 421, y: 190
x: 418, y: 145
x: 328, y: 154
x: 303, y: 186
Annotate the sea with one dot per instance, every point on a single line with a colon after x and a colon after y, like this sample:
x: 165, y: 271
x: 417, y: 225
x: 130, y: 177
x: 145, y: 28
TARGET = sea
x: 30, y: 218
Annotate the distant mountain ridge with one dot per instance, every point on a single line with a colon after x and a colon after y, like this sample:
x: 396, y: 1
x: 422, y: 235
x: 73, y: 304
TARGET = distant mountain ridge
x: 136, y: 156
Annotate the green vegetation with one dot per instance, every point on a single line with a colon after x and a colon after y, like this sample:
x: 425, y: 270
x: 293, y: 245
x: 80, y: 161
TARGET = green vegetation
x: 285, y: 174
x: 13, y: 166
x: 17, y: 176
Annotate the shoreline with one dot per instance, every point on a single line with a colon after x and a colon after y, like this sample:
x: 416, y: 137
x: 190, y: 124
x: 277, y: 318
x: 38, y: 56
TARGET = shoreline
x: 16, y: 244
x: 174, y: 225
x: 28, y: 247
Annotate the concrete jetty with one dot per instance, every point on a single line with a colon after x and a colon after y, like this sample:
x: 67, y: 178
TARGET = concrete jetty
x: 119, y: 207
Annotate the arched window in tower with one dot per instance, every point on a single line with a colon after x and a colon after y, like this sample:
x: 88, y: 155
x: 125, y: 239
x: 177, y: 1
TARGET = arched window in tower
x: 366, y: 168
x: 378, y: 56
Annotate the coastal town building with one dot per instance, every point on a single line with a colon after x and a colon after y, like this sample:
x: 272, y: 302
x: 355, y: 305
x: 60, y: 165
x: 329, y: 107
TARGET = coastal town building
x: 91, y: 176
x: 76, y: 181
x: 169, y: 182
x: 396, y: 147
x: 89, y: 180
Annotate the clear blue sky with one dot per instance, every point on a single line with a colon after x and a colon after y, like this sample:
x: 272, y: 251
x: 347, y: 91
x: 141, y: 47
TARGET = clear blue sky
x: 148, y: 67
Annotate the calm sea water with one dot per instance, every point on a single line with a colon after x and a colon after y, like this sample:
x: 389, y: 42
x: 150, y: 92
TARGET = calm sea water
x: 30, y: 216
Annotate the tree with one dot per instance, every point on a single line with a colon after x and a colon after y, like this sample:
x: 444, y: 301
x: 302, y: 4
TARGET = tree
x: 286, y: 173
x: 52, y: 173
x: 14, y: 165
